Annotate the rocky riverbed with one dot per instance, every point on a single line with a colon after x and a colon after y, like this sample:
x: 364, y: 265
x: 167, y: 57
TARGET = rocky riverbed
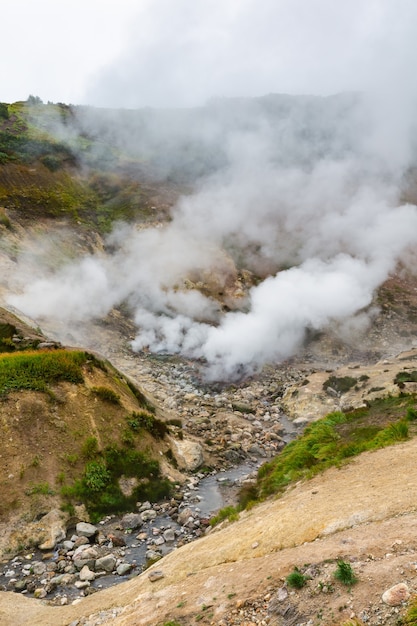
x: 95, y: 556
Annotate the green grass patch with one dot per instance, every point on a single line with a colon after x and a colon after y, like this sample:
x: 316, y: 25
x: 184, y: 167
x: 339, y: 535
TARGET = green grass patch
x: 143, y: 420
x: 36, y: 370
x: 296, y: 580
x: 230, y: 513
x: 406, y: 377
x: 334, y: 439
x: 340, y: 384
x: 410, y: 618
x: 106, y: 394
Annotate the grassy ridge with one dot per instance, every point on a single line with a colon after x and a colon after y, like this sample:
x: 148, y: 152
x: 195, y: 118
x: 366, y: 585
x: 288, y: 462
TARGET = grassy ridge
x: 34, y: 370
x: 328, y: 442
x: 336, y: 438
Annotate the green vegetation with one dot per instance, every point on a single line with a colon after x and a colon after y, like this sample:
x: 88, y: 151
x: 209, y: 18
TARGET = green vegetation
x: 230, y: 513
x: 4, y: 219
x: 410, y: 618
x: 7, y: 331
x: 99, y: 490
x: 147, y: 421
x: 89, y: 449
x: 345, y: 574
x: 296, y: 579
x: 106, y: 394
x: 406, y: 377
x: 341, y: 384
x: 43, y: 489
x: 335, y: 439
x: 44, y: 174
x: 35, y: 370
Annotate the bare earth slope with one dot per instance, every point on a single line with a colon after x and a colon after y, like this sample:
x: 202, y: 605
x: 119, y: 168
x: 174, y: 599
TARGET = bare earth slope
x: 365, y: 512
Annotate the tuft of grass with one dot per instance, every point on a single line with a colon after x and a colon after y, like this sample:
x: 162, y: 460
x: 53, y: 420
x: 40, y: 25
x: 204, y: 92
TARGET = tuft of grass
x: 147, y: 421
x: 228, y: 512
x: 296, y: 580
x: 106, y: 394
x: 345, y: 574
x: 99, y: 489
x: 40, y: 488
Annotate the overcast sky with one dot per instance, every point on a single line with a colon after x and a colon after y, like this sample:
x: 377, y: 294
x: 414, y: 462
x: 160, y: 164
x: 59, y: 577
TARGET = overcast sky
x: 130, y: 53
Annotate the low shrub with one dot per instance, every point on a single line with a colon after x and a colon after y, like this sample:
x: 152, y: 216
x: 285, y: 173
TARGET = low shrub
x: 89, y: 449
x: 340, y: 384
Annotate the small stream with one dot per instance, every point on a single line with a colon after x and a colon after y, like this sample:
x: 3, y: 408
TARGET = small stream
x: 202, y: 497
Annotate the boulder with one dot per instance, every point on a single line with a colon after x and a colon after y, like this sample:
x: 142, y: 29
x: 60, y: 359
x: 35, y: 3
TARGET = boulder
x: 131, y: 521
x: 83, y: 529
x: 396, y: 595
x: 106, y: 563
x: 188, y: 454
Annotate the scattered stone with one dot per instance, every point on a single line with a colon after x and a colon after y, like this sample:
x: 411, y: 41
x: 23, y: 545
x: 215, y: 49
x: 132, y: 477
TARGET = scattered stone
x: 396, y: 595
x: 124, y: 568
x: 86, y: 530
x: 87, y: 574
x: 188, y: 454
x: 155, y: 575
x: 184, y: 516
x: 106, y: 563
x: 148, y: 515
x: 131, y: 521
x: 169, y: 535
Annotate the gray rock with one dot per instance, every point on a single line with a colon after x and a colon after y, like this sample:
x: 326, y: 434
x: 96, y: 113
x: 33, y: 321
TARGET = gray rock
x: 81, y: 584
x: 145, y: 506
x: 184, y: 516
x: 148, y: 515
x: 84, y: 529
x: 106, y: 563
x: 189, y: 454
x: 151, y: 555
x: 131, y: 520
x: 68, y: 545
x: 159, y: 541
x: 123, y: 568
x: 169, y: 535
x: 38, y: 568
x: 80, y: 541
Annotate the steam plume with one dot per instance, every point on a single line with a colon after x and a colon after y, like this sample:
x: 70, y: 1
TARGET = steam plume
x: 303, y: 195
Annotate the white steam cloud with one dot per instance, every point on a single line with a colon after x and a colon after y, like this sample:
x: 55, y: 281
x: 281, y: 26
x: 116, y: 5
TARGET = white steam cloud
x: 320, y: 223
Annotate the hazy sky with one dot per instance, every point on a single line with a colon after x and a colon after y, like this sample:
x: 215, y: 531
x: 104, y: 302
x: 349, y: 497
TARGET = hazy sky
x: 182, y: 52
